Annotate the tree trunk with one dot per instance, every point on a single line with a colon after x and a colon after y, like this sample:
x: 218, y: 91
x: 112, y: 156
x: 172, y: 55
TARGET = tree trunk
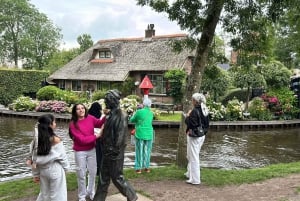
x: 194, y: 79
x: 248, y: 98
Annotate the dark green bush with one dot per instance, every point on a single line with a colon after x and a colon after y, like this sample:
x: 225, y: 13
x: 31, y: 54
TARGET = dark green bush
x: 16, y: 82
x: 240, y: 94
x: 97, y: 95
x: 48, y: 93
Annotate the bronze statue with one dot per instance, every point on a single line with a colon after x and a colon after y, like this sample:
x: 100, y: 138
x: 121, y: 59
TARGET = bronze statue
x: 113, y: 147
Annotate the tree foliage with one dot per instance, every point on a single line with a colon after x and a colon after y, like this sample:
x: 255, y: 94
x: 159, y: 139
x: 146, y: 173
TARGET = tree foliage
x: 248, y: 78
x: 287, y: 46
x: 276, y: 74
x: 26, y: 34
x: 175, y: 79
x: 215, y: 81
x: 40, y: 42
x: 200, y: 18
x: 85, y: 41
x: 61, y: 58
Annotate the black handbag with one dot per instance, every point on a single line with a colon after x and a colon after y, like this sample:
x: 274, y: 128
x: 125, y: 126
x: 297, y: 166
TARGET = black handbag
x: 198, y: 131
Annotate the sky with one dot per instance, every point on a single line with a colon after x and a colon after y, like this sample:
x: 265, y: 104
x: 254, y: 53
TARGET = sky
x: 103, y: 19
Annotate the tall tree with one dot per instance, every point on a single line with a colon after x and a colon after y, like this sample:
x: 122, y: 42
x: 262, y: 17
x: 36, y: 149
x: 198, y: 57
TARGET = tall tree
x: 61, y: 58
x: 13, y: 17
x: 200, y: 18
x: 85, y: 41
x: 287, y: 48
x: 40, y: 41
x: 26, y: 34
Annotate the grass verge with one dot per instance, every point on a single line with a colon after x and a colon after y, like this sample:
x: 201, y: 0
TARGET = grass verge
x: 23, y: 188
x: 169, y: 116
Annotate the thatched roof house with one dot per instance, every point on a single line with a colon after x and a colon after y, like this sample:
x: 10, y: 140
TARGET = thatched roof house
x: 113, y: 61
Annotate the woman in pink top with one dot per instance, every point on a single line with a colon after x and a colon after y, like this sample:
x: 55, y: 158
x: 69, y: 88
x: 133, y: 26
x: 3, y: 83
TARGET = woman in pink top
x: 84, y: 140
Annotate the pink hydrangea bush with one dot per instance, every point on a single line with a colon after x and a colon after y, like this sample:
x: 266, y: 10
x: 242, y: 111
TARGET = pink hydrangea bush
x: 52, y: 106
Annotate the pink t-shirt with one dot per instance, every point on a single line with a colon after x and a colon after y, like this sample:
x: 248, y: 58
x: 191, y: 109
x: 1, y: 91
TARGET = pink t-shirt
x: 84, y: 138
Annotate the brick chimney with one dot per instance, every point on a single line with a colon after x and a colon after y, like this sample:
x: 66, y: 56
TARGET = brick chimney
x: 150, y: 32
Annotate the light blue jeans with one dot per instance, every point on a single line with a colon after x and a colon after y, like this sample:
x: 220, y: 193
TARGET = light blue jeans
x: 86, y: 161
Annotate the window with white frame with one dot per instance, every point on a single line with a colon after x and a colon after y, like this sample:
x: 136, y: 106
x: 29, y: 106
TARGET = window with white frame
x: 104, y: 54
x: 159, y: 83
x: 76, y: 85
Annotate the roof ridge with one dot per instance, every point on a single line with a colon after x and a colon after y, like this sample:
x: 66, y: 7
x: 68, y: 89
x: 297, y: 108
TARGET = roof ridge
x: 142, y: 38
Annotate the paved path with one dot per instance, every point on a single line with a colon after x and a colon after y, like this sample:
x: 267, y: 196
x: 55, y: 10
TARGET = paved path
x: 120, y: 197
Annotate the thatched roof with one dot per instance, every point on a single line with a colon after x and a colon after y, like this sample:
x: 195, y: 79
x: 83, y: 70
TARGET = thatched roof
x: 135, y: 54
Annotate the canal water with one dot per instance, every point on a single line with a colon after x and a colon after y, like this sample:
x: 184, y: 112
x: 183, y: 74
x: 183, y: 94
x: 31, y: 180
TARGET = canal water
x: 221, y: 149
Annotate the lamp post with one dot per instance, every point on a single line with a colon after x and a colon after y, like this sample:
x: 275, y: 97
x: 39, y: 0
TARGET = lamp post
x: 146, y: 85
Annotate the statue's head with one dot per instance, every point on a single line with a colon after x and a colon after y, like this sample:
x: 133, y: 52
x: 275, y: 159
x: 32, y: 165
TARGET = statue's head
x: 112, y: 99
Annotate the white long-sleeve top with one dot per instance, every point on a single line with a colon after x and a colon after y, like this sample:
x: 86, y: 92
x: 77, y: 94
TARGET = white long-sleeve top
x: 57, y: 154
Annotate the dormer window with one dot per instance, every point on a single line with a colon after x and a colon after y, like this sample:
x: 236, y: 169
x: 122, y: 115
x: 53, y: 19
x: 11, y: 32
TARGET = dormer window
x: 104, y: 54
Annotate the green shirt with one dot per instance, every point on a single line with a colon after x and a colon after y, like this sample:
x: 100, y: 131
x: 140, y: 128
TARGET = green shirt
x: 143, y: 123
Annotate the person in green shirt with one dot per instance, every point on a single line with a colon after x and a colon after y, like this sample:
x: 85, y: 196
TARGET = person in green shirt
x: 143, y: 136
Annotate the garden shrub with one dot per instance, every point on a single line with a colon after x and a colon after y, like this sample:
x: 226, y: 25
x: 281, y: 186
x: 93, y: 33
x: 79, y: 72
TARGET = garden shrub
x: 287, y: 102
x: 240, y: 94
x: 47, y: 93
x: 234, y: 110
x: 23, y: 103
x: 156, y: 113
x: 259, y: 111
x: 128, y: 105
x: 100, y: 94
x: 136, y: 97
x: 17, y: 82
x: 69, y: 97
x: 52, y: 106
x: 217, y: 111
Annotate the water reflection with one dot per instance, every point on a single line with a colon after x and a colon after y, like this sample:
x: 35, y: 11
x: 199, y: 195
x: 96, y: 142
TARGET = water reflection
x: 226, y: 149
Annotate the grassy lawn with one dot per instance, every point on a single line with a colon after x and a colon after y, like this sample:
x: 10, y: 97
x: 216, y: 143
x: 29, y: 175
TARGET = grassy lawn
x: 212, y: 177
x: 164, y: 116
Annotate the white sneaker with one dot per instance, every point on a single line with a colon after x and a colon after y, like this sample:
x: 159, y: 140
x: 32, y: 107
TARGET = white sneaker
x: 191, y: 182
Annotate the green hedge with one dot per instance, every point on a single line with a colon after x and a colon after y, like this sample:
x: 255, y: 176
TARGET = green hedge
x: 16, y: 82
x: 240, y: 94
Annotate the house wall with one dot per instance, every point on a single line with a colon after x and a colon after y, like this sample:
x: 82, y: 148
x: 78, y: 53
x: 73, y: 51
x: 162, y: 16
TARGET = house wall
x: 162, y: 98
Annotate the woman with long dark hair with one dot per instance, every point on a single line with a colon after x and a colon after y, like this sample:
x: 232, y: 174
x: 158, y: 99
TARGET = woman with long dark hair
x: 84, y: 140
x: 51, y: 162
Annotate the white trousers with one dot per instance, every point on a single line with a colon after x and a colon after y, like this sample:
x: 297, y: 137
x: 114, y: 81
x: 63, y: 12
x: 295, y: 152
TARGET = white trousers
x: 53, y: 185
x: 194, y: 145
x: 86, y: 161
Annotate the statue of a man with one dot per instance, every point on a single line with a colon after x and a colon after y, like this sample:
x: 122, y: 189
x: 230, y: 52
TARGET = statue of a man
x: 113, y: 147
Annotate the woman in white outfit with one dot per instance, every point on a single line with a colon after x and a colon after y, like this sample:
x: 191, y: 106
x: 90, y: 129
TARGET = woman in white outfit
x: 196, y: 117
x: 50, y: 162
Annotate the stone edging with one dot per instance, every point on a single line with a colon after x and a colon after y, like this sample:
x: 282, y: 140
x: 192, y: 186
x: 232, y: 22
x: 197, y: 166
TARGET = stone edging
x: 215, y: 125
